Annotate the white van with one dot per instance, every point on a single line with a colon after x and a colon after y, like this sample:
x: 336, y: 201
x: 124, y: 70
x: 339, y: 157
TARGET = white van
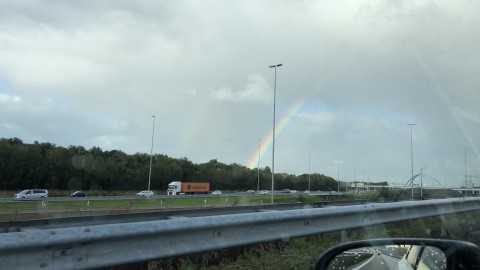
x: 32, y: 194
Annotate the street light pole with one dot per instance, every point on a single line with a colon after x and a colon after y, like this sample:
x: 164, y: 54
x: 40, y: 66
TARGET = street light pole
x: 151, y: 152
x: 411, y: 150
x: 421, y: 180
x: 273, y: 141
x: 258, y: 168
x: 308, y: 170
x: 466, y: 182
x: 338, y: 175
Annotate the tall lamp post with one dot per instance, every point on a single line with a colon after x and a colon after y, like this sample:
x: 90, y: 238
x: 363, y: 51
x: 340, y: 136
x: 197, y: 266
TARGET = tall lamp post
x: 258, y: 168
x: 421, y: 180
x: 338, y: 175
x: 411, y: 150
x: 273, y: 141
x: 466, y: 182
x: 151, y: 152
x: 308, y: 170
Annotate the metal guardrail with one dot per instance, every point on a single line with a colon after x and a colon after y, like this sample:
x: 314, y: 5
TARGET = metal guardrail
x: 102, y: 218
x: 96, y: 216
x: 105, y: 245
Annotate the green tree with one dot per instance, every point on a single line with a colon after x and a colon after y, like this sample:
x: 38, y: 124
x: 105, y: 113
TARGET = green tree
x: 45, y: 165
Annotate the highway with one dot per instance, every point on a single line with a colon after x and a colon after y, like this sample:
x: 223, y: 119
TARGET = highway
x: 377, y: 261
x: 109, y: 198
x: 364, y: 259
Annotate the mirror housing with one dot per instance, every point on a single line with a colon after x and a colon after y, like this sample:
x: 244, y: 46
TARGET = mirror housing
x: 458, y: 254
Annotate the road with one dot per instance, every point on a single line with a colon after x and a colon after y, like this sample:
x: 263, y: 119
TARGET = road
x: 109, y: 198
x: 377, y: 261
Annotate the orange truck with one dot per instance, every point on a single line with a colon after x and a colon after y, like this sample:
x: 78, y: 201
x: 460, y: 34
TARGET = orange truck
x: 188, y: 188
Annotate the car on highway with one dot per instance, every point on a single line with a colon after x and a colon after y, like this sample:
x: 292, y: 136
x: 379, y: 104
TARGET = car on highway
x: 78, y: 193
x: 307, y: 191
x: 145, y: 193
x: 286, y: 190
x: 293, y: 191
x: 217, y: 192
x: 263, y: 192
x: 31, y: 194
x: 250, y: 191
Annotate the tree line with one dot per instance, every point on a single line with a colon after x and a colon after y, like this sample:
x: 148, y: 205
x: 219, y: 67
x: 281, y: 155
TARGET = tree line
x: 45, y: 165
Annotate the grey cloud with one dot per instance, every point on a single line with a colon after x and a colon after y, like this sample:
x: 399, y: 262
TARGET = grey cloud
x: 93, y: 73
x: 257, y: 89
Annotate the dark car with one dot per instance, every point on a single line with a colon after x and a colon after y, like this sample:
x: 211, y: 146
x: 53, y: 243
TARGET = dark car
x: 79, y: 194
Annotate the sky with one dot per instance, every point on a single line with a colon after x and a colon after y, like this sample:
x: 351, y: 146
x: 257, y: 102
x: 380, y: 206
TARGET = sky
x: 354, y: 74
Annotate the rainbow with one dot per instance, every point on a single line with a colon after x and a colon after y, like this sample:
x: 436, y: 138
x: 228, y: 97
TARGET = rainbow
x: 280, y: 126
x: 268, y: 139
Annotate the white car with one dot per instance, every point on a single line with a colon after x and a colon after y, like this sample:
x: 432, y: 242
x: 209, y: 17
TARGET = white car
x: 145, y: 193
x: 217, y: 192
x: 31, y: 194
x: 293, y: 191
x: 251, y: 191
x: 263, y: 192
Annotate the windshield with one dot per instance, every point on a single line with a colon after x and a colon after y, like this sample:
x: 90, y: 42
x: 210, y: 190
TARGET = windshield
x: 279, y: 102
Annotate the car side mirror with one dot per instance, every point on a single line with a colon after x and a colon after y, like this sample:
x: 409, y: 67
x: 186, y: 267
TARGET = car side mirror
x: 402, y: 253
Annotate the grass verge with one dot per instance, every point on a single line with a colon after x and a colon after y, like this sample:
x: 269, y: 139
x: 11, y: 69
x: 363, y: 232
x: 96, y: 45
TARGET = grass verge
x: 302, y: 253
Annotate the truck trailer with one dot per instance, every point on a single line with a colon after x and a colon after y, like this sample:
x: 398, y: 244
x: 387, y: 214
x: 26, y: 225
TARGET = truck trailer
x: 188, y: 188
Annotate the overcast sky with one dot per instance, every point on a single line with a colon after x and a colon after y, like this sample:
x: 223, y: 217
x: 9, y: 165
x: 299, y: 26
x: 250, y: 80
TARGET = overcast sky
x: 354, y: 74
